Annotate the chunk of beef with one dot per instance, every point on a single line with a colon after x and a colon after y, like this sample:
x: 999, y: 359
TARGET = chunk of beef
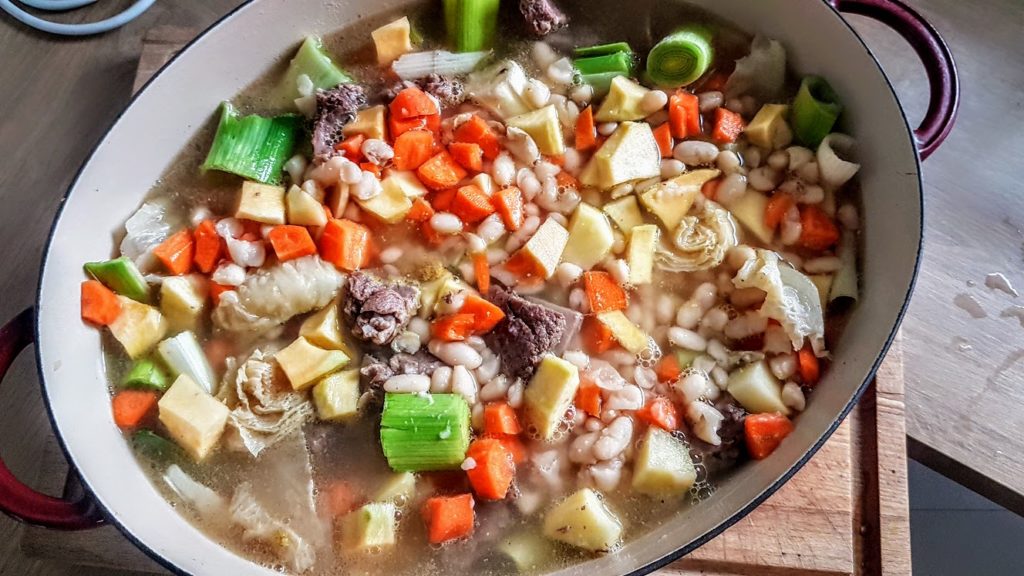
x: 733, y: 447
x: 527, y: 332
x: 573, y: 322
x: 379, y: 311
x: 542, y: 16
x: 376, y: 368
x: 448, y: 91
x: 334, y: 109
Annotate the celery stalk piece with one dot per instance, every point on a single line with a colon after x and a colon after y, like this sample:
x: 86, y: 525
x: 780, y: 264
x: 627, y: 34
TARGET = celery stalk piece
x: 681, y: 57
x: 183, y: 355
x: 472, y: 24
x: 602, y: 50
x: 424, y: 432
x: 154, y: 446
x: 599, y: 71
x: 252, y: 147
x: 146, y: 374
x: 815, y: 111
x: 312, y: 61
x: 122, y: 276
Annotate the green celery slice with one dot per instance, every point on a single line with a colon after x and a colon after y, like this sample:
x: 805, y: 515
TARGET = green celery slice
x: 602, y: 49
x: 312, y: 60
x: 252, y: 146
x: 146, y: 374
x: 471, y: 24
x: 154, y: 446
x: 815, y: 111
x: 122, y: 276
x: 681, y: 57
x: 424, y: 432
x: 598, y: 71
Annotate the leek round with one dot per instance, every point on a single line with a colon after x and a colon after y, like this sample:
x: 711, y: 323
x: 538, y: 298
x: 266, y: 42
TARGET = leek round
x: 681, y: 57
x: 815, y: 111
x: 835, y: 171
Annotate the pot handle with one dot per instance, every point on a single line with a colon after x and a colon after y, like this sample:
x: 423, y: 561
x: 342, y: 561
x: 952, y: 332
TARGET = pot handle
x: 934, y: 54
x: 16, y: 498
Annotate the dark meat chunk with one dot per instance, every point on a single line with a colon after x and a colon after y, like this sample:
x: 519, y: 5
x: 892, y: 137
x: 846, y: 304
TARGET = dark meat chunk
x: 334, y: 109
x: 527, y: 332
x: 733, y: 447
x: 542, y: 16
x: 448, y: 91
x: 573, y: 322
x: 375, y: 371
x: 421, y: 362
x: 379, y: 311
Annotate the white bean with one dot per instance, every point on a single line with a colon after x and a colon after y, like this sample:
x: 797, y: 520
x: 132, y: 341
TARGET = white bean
x: 528, y: 183
x: 407, y: 383
x: 229, y: 274
x: 537, y: 93
x: 296, y: 167
x: 391, y: 254
x: 582, y: 94
x: 798, y: 156
x: 643, y: 185
x: 687, y: 339
x: 708, y: 101
x: 619, y: 270
x: 619, y: 242
x: 521, y: 145
x: 581, y: 450
x: 614, y: 439
x: 421, y: 327
x: 822, y: 265
x: 496, y: 389
x: 704, y: 420
x: 571, y: 161
x: 783, y: 366
x: 695, y: 152
x: 488, y: 370
x: 793, y: 397
x: 791, y: 227
x: 577, y: 358
x: 778, y: 160
x: 545, y: 170
x: 567, y: 274
x: 503, y: 169
x: 543, y: 54
x: 720, y: 377
x: 705, y: 295
x: 728, y: 161
x: 689, y: 315
x: 408, y: 342
x: 377, y: 151
x: 456, y: 354
x: 847, y: 215
x: 747, y: 297
x: 670, y: 168
x: 731, y: 189
x: 752, y: 157
x: 808, y: 173
x: 578, y: 301
x: 593, y: 425
x: 653, y: 101
x: 645, y: 377
x: 629, y: 397
x: 446, y: 223
x: 714, y: 319
x: 763, y: 179
x: 776, y: 341
x: 692, y: 387
x: 515, y: 394
x: 665, y: 309
x: 746, y: 325
x: 491, y: 229
x: 464, y: 384
x: 739, y: 255
x: 561, y: 71
x: 624, y: 189
x: 607, y: 128
x: 703, y: 363
x: 603, y: 476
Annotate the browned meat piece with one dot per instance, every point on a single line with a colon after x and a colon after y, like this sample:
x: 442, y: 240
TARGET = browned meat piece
x: 573, y: 322
x: 527, y: 332
x: 542, y: 16
x: 334, y: 109
x: 733, y: 447
x: 377, y: 369
x: 378, y: 311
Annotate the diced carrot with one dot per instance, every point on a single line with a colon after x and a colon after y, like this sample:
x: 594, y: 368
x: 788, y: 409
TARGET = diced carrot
x: 513, y: 444
x: 291, y: 242
x: 482, y: 271
x: 352, y: 147
x: 764, y: 433
x: 556, y: 159
x: 716, y: 82
x: 684, y: 114
x: 477, y: 131
x: 817, y: 230
x: 775, y: 211
x: 442, y: 200
x: 469, y: 155
x: 809, y: 365
x: 588, y: 398
x: 177, y: 252
x: 728, y: 126
x: 471, y: 204
x: 710, y: 189
x: 525, y: 265
x: 411, y: 103
x: 660, y: 412
x: 421, y: 211
x: 597, y: 338
x: 99, y: 304
x: 452, y: 327
x: 586, y: 130
x: 132, y: 406
x: 397, y: 127
x: 603, y: 292
x: 500, y: 419
x: 440, y: 172
x: 371, y: 168
x: 430, y: 235
x: 346, y: 244
x: 216, y: 290
x: 209, y: 246
x: 663, y: 136
x: 412, y: 149
x: 509, y: 204
x: 448, y: 517
x: 566, y: 180
x: 492, y: 476
x: 341, y: 497
x: 485, y: 314
x: 668, y: 369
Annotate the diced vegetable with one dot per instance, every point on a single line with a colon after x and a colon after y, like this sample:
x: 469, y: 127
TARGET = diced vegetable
x: 603, y: 292
x: 440, y: 172
x: 147, y: 375
x: 544, y: 249
x: 550, y: 394
x: 845, y: 283
x: 209, y: 246
x: 412, y: 149
x: 815, y: 111
x: 324, y: 330
x: 660, y: 412
x: 304, y: 363
x: 424, y: 432
x: 397, y: 126
x: 291, y: 242
x: 631, y: 153
x: 312, y: 61
x: 485, y: 314
x: 471, y: 205
x: 122, y: 276
x: 769, y: 129
x: 341, y: 497
x: 252, y: 146
x: 391, y: 205
x: 590, y: 237
x: 440, y: 62
x: 469, y: 155
x: 686, y: 357
x: 412, y: 103
x: 261, y: 203
x: 682, y: 57
x: 452, y: 327
x: 369, y: 122
x: 625, y: 212
x: 668, y: 369
x: 817, y: 230
x: 599, y: 65
x: 493, y: 470
x: 482, y: 271
x: 345, y: 244
x: 640, y: 253
x: 509, y: 205
x: 430, y: 291
x: 182, y: 354
x: 528, y: 550
x: 588, y: 398
x: 672, y: 199
x: 684, y: 114
x: 336, y: 395
x: 601, y: 49
x: 728, y: 126
x: 778, y: 204
x: 663, y: 136
x: 586, y: 130
x: 472, y: 24
x: 663, y: 466
x: 750, y: 211
x: 304, y: 210
x: 138, y: 328
x: 449, y: 517
x: 177, y: 252
x: 756, y: 389
x: 629, y: 335
x: 193, y: 417
x: 131, y: 407
x: 623, y: 101
x: 99, y: 304
x: 764, y: 433
x: 370, y: 527
x: 544, y: 127
x: 400, y: 488
x: 501, y: 419
x: 585, y: 521
x: 475, y: 130
x: 809, y: 367
x: 154, y: 446
x: 392, y: 40
x: 597, y: 338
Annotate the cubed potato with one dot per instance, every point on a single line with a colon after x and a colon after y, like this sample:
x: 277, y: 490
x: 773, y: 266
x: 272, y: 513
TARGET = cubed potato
x: 430, y: 290
x: 305, y: 363
x: 336, y: 395
x: 303, y: 209
x: 544, y: 127
x: 400, y: 488
x: 769, y: 129
x: 623, y: 101
x: 194, y: 418
x: 625, y: 212
x: 546, y: 246
x: 323, y: 329
x: 391, y: 205
x: 749, y: 212
x: 663, y: 465
x: 261, y: 203
x: 756, y: 389
x: 640, y: 253
x: 183, y: 302
x: 672, y: 199
x: 585, y: 521
x: 629, y: 335
x: 392, y: 40
x: 631, y: 153
x: 406, y: 182
x: 369, y: 122
x: 550, y: 394
x: 590, y: 237
x: 370, y: 527
x: 138, y: 328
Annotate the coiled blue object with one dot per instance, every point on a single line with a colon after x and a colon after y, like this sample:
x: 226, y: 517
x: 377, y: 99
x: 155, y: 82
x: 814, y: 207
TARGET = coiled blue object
x: 62, y: 29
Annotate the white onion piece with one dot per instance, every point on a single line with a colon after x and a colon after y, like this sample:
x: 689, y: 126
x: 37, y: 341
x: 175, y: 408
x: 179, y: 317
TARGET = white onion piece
x: 835, y: 171
x: 419, y: 64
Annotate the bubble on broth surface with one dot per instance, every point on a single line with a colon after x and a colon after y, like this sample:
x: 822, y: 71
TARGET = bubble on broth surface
x: 649, y: 356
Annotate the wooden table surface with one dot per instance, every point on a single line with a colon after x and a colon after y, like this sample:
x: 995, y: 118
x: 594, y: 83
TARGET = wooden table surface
x: 964, y: 375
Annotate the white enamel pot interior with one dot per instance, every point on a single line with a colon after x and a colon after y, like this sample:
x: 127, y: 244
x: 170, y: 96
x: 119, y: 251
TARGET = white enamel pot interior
x: 236, y: 51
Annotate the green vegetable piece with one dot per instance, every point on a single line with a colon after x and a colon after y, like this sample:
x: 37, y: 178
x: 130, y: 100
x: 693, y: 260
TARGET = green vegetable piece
x: 369, y: 527
x: 252, y: 147
x: 681, y: 57
x: 154, y: 446
x: 122, y: 276
x: 146, y: 374
x: 312, y: 60
x: 602, y: 50
x: 598, y: 71
x: 424, y: 432
x: 815, y: 111
x: 472, y: 24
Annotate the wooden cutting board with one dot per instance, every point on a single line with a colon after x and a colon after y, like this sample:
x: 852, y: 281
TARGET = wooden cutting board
x: 845, y: 512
